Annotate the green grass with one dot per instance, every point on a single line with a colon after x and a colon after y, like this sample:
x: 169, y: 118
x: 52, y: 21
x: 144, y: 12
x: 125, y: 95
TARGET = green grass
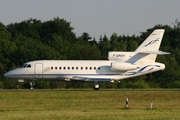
x: 89, y: 105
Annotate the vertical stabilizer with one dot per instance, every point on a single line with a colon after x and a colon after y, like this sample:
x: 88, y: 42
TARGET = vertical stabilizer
x: 149, y: 49
x: 152, y: 43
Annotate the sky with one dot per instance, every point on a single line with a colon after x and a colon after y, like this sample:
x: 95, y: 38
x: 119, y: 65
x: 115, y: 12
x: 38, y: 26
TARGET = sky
x: 96, y: 17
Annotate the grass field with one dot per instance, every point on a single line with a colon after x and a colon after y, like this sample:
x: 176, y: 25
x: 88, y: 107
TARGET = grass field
x: 89, y: 105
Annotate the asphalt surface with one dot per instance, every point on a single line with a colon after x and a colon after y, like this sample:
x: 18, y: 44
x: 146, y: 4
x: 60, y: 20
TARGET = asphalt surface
x: 65, y: 90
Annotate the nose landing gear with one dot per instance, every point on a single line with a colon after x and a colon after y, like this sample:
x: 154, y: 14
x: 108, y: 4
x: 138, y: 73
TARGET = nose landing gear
x: 32, y: 84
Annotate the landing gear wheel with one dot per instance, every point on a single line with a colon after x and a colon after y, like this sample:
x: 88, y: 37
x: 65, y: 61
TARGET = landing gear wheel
x: 96, y: 86
x: 31, y: 88
x: 31, y: 84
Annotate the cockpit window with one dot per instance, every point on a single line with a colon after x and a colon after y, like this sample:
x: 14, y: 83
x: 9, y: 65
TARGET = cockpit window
x: 28, y: 66
x: 22, y: 65
x: 25, y: 66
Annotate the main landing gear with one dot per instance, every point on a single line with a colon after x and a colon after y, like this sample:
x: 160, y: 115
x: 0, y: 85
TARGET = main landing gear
x: 31, y: 84
x: 96, y: 85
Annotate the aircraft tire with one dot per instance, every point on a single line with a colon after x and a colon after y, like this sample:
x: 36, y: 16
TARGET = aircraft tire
x: 96, y: 87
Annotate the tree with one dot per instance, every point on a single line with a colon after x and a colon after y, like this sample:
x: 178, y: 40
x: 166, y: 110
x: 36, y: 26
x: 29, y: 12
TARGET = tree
x: 85, y: 36
x: 105, y: 47
x: 176, y: 24
x: 59, y: 27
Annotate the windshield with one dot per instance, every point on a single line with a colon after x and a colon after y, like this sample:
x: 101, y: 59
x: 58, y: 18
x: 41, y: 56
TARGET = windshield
x: 22, y: 65
x: 25, y: 66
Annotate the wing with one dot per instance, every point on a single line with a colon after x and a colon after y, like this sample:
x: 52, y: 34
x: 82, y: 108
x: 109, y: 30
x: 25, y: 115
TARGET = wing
x: 78, y: 78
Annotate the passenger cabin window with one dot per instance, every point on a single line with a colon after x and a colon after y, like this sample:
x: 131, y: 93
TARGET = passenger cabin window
x: 64, y: 68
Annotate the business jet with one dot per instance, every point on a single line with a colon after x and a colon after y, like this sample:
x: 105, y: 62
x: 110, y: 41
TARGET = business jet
x: 121, y: 65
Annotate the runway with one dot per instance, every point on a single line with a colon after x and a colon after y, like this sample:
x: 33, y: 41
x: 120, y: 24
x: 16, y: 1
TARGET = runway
x: 90, y: 90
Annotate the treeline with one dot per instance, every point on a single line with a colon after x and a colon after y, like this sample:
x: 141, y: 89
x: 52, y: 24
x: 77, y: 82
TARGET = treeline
x: 54, y: 39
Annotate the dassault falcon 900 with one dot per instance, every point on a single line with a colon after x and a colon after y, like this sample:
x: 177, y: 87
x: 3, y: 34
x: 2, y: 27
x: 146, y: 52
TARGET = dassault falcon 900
x: 121, y: 65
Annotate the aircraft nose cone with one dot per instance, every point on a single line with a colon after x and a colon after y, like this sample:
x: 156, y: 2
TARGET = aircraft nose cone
x: 10, y: 74
x: 7, y: 74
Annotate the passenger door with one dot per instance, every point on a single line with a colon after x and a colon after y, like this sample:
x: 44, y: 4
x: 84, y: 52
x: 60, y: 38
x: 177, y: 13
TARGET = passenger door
x: 38, y: 70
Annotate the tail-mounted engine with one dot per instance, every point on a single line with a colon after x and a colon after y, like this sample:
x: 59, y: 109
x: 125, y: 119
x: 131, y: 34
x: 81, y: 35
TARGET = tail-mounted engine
x: 119, y: 66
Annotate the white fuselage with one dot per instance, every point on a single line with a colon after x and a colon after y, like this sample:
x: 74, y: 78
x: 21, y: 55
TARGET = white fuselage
x: 85, y: 70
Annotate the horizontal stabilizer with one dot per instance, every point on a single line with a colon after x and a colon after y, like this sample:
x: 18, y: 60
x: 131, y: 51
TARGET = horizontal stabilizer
x: 154, y: 52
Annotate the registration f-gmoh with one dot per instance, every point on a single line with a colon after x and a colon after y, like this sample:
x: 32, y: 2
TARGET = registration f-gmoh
x: 121, y: 65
